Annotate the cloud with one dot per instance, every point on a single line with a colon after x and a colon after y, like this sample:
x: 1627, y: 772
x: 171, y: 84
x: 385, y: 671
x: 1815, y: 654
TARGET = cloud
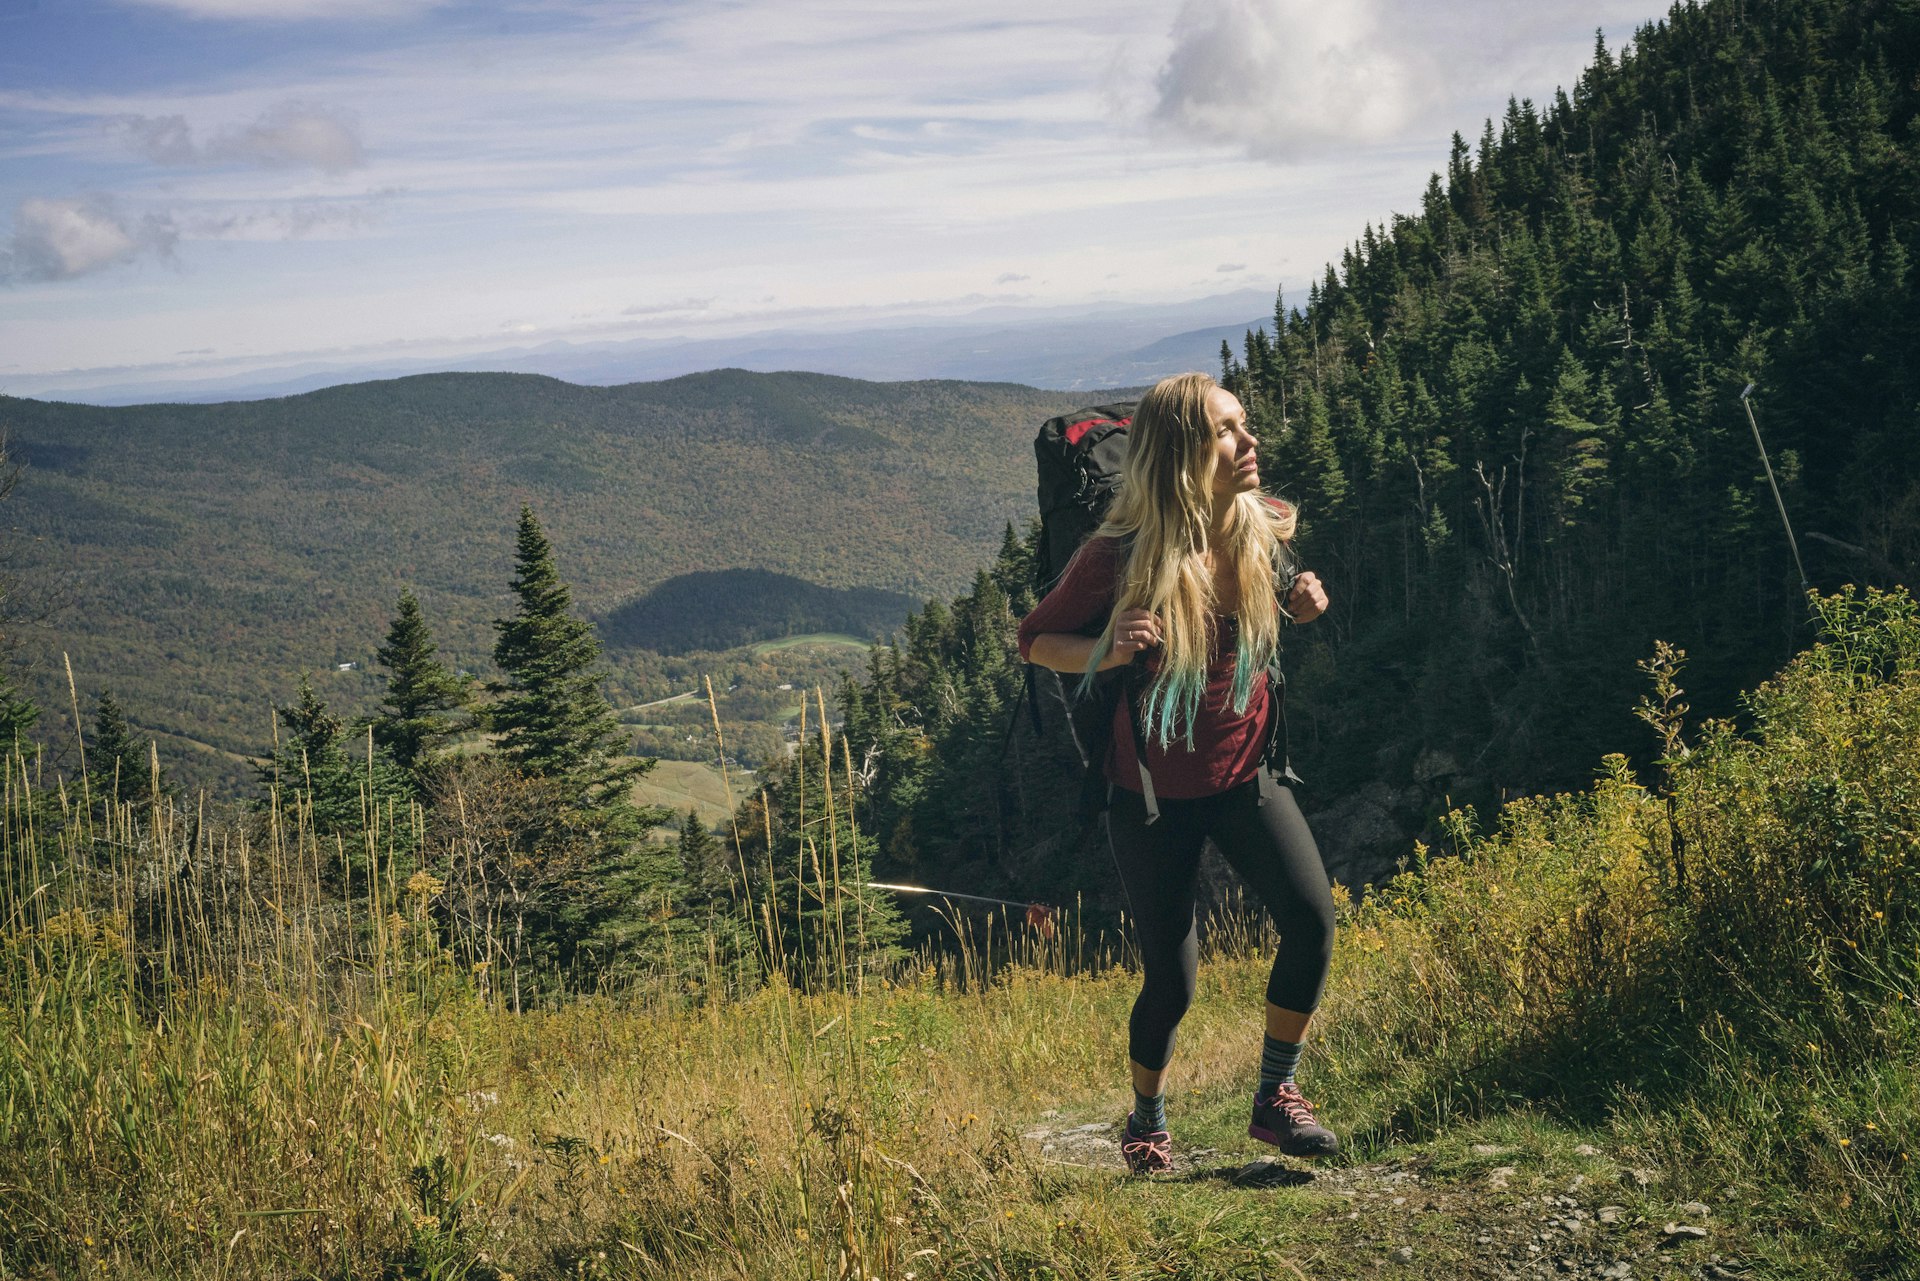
x: 1228, y: 267
x: 1010, y: 278
x: 1284, y: 78
x: 61, y: 239
x: 291, y: 135
x: 292, y: 10
x: 296, y: 221
x: 668, y: 308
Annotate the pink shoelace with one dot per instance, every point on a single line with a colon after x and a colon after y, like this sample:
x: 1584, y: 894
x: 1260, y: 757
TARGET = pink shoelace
x: 1152, y: 1148
x: 1287, y: 1097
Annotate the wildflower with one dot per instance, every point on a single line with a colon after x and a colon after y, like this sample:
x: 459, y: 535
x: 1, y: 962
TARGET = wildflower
x: 1846, y: 1143
x: 800, y: 1233
x: 1878, y: 915
x: 425, y: 1221
x: 604, y: 1160
x: 1872, y: 1126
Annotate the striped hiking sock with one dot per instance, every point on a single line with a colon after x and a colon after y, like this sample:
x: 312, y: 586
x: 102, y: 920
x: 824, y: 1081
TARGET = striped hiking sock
x: 1149, y: 1114
x: 1278, y: 1059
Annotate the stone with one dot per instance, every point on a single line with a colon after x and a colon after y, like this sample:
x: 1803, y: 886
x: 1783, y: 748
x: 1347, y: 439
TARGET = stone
x: 1432, y: 764
x: 1404, y: 1254
x: 1483, y: 1239
x: 1677, y: 1232
x: 1490, y: 1149
x: 1611, y: 1213
x: 1498, y: 1176
x: 1618, y: 1271
x: 1695, y: 1209
x: 1586, y: 1149
x: 1641, y: 1176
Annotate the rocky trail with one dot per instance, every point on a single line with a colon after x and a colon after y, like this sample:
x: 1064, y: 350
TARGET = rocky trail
x: 1485, y: 1211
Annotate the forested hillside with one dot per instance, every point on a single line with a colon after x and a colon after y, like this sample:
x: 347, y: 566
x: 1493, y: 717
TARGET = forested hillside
x: 211, y: 553
x: 1512, y: 422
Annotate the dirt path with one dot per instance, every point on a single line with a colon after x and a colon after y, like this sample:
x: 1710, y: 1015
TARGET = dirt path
x: 1582, y: 1219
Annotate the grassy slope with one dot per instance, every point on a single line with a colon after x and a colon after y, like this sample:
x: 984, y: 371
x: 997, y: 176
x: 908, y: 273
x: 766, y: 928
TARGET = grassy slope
x: 684, y: 785
x: 1541, y: 1052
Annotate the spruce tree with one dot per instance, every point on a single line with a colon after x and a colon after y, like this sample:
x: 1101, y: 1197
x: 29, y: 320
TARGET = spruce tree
x: 312, y: 769
x: 17, y: 712
x: 554, y: 722
x: 413, y: 717
x: 552, y: 718
x: 119, y: 767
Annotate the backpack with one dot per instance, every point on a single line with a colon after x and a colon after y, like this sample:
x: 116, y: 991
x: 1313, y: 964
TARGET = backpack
x: 1079, y: 456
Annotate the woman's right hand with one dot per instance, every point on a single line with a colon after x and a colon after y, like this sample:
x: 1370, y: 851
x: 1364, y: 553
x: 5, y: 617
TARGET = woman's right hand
x: 1135, y: 630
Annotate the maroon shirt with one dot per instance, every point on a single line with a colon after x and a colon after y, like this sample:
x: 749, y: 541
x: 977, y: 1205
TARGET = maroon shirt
x: 1227, y: 746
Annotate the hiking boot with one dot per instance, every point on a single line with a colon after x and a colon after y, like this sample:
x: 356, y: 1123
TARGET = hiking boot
x: 1285, y: 1119
x: 1149, y: 1153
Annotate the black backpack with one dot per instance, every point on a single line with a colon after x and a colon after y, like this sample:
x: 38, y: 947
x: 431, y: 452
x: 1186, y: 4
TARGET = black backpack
x: 1079, y: 456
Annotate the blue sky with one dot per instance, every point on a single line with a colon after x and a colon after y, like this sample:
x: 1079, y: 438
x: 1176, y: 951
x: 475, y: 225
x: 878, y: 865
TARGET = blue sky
x: 193, y: 186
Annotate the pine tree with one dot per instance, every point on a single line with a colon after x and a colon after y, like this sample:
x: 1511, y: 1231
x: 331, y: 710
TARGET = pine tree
x: 414, y: 718
x: 314, y: 777
x: 17, y: 712
x: 552, y: 717
x: 118, y: 766
x: 555, y: 723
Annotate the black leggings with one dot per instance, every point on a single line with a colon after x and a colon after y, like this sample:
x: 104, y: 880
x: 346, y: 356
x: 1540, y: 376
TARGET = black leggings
x: 1258, y: 829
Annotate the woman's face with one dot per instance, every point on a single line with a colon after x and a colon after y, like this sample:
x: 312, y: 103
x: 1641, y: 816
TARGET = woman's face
x: 1235, y: 469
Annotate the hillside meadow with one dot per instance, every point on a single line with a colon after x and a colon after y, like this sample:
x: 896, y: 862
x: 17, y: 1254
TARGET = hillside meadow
x: 1665, y: 1024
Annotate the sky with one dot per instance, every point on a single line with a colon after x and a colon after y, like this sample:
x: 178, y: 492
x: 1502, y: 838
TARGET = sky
x: 193, y: 186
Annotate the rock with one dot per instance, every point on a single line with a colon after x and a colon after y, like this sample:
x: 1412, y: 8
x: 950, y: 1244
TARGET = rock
x: 1678, y: 1232
x: 1617, y: 1271
x: 1498, y: 1176
x: 1640, y: 1176
x: 1483, y: 1239
x: 1432, y: 764
x: 1404, y: 1254
x: 1490, y: 1149
x: 1586, y: 1149
x: 1611, y: 1213
x: 1695, y: 1209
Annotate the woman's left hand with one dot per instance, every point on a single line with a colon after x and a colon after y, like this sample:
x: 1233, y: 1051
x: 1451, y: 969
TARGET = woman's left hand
x: 1308, y: 599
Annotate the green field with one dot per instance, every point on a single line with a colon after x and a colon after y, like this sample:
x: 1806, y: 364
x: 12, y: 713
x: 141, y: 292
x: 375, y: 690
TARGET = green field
x: 824, y: 640
x: 693, y: 785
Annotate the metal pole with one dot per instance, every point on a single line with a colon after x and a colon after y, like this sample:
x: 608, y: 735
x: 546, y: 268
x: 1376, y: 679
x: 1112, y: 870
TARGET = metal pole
x: 1747, y: 405
x: 921, y: 889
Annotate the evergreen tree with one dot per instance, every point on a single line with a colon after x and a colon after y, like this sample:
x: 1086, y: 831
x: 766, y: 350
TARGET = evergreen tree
x: 555, y: 723
x: 552, y: 717
x: 117, y: 765
x: 413, y: 718
x: 312, y: 777
x: 18, y: 713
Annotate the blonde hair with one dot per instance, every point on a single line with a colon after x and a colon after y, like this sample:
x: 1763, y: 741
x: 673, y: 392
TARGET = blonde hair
x: 1164, y: 514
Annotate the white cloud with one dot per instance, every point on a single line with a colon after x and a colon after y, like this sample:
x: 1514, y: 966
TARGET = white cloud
x: 1227, y: 267
x: 292, y: 10
x: 290, y: 135
x: 61, y: 239
x: 668, y: 308
x: 1009, y: 278
x: 1282, y: 78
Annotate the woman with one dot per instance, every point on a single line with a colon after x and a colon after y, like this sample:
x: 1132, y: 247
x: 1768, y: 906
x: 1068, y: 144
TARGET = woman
x: 1185, y: 572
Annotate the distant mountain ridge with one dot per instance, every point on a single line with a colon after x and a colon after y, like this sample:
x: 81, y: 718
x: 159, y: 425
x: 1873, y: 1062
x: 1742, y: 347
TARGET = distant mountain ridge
x: 1058, y: 348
